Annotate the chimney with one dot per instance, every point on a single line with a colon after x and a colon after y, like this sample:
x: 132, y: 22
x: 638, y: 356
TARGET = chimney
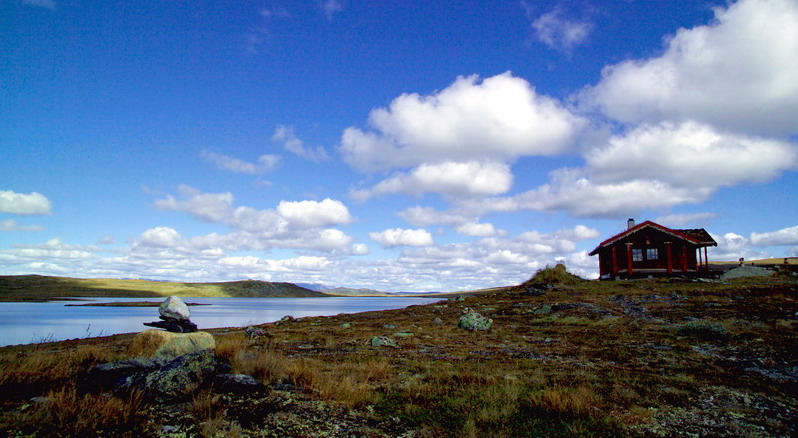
x: 630, y: 223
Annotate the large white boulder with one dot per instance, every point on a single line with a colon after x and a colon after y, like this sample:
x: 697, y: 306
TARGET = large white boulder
x: 174, y: 308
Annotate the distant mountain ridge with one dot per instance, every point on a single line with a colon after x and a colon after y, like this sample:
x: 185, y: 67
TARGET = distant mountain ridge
x: 39, y: 287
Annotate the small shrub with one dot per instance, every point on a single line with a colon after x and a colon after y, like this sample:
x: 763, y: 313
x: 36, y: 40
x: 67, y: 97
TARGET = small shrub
x: 556, y: 275
x: 703, y: 329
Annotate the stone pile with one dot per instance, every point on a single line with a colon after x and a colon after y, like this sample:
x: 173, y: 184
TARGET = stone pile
x: 174, y: 316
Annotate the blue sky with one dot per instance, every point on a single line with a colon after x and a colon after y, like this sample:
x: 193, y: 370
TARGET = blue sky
x: 395, y: 145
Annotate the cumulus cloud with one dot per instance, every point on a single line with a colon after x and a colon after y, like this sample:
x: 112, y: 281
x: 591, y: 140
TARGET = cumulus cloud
x: 450, y: 179
x: 560, y: 33
x: 285, y: 134
x: 265, y: 163
x: 731, y: 247
x: 402, y: 237
x: 12, y: 225
x: 479, y: 229
x: 211, y: 207
x: 499, y: 118
x: 690, y: 154
x: 315, y: 213
x: 572, y: 191
x: 738, y: 72
x: 24, y: 204
x: 160, y: 237
x: 783, y: 237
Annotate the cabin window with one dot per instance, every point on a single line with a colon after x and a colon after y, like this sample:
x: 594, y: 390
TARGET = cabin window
x: 637, y: 255
x: 652, y: 254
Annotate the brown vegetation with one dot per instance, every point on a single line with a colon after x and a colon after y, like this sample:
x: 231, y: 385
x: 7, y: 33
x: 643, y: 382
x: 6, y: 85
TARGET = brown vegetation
x: 650, y: 357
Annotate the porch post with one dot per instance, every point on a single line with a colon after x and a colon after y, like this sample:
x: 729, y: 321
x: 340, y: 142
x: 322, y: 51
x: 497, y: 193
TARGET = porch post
x: 668, y: 255
x: 684, y: 258
x: 706, y: 259
x: 629, y: 268
x: 614, y: 261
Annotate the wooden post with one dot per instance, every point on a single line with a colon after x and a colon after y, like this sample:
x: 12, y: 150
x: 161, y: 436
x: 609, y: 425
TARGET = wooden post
x: 629, y: 268
x: 684, y: 258
x: 614, y: 260
x: 668, y: 255
x: 706, y: 259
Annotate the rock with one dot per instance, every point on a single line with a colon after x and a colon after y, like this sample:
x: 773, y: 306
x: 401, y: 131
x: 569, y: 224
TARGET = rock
x: 543, y: 310
x: 174, y: 325
x: 159, y: 343
x: 382, y: 341
x: 474, y: 321
x: 237, y: 383
x: 459, y: 298
x: 403, y: 334
x: 174, y: 308
x: 437, y: 321
x: 285, y: 319
x: 389, y: 326
x: 113, y: 376
x: 253, y: 333
x: 346, y: 325
x: 180, y: 377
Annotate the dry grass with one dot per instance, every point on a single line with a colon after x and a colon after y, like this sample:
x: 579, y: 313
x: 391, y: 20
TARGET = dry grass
x: 63, y: 412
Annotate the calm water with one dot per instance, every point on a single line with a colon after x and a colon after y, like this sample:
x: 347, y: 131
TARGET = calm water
x: 22, y: 323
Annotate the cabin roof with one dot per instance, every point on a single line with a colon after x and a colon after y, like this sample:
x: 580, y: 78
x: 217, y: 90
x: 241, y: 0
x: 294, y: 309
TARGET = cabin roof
x: 698, y: 236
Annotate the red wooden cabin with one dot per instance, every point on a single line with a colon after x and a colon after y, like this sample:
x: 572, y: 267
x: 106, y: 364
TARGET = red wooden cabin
x: 650, y: 249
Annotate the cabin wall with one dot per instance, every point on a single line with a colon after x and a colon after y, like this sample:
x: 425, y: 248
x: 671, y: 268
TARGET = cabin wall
x: 652, y: 256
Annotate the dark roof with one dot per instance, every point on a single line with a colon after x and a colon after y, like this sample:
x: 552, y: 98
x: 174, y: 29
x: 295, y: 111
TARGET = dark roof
x: 697, y: 236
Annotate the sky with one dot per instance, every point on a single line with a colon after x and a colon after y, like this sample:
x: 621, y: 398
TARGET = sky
x: 398, y: 145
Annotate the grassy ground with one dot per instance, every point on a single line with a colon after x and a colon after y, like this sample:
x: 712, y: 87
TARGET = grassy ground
x: 43, y: 288
x: 633, y: 358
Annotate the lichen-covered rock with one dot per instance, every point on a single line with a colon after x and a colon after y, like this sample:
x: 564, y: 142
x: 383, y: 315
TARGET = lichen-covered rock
x: 254, y: 333
x: 174, y: 308
x: 437, y: 321
x: 159, y: 343
x: 346, y: 325
x: 474, y: 321
x: 181, y: 376
x: 237, y: 383
x: 382, y: 341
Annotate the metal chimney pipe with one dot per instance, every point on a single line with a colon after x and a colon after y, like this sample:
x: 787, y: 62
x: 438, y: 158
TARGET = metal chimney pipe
x: 630, y: 223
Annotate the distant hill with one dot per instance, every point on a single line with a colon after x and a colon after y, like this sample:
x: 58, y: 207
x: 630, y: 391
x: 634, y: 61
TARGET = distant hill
x: 39, y: 287
x: 355, y: 292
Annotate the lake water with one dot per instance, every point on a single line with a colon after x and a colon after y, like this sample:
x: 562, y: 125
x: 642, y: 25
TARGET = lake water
x: 23, y: 323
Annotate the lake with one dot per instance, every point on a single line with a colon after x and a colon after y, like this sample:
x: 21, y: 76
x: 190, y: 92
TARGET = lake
x: 23, y: 323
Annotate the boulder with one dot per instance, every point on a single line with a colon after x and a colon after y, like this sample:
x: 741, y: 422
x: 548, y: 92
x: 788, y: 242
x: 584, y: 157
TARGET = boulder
x: 474, y: 321
x: 178, y: 378
x: 254, y: 333
x: 158, y: 343
x: 174, y: 308
x: 237, y: 383
x: 382, y: 341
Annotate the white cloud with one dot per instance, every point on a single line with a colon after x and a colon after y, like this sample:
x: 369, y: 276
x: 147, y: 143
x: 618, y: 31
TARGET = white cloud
x: 571, y: 191
x: 213, y: 207
x: 731, y: 247
x: 46, y: 4
x: 500, y: 118
x: 12, y: 225
x: 690, y: 155
x: 477, y: 229
x: 20, y: 203
x: 402, y: 237
x: 560, y: 33
x: 426, y: 216
x: 783, y: 237
x: 265, y: 163
x: 737, y: 72
x: 285, y: 134
x: 314, y: 213
x: 160, y: 237
x: 450, y: 179
x: 577, y: 233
